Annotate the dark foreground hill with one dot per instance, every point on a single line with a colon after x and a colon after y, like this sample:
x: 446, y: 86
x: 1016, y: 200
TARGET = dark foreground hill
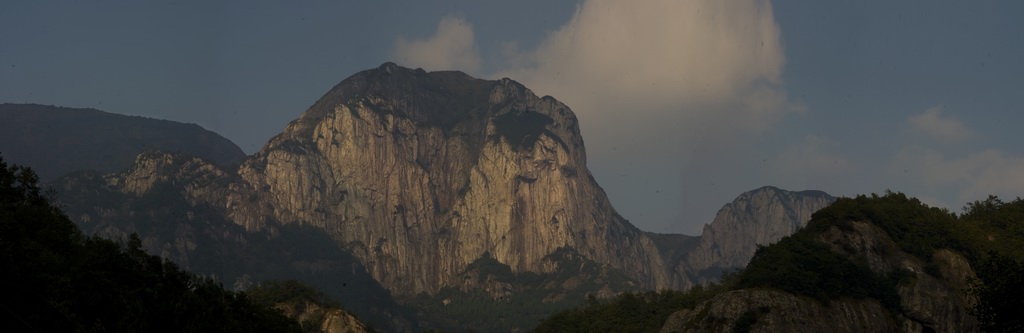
x: 57, y: 280
x: 58, y: 140
x: 866, y: 264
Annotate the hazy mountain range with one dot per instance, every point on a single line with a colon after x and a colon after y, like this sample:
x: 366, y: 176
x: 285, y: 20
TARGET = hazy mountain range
x: 401, y: 192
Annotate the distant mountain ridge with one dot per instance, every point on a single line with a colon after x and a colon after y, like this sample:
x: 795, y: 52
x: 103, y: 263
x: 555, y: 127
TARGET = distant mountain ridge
x: 435, y: 184
x: 58, y: 140
x: 758, y: 217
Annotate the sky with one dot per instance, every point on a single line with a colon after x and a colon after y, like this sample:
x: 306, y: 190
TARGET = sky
x: 683, y: 105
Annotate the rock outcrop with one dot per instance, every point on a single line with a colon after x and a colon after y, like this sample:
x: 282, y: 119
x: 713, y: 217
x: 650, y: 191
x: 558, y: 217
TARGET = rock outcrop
x: 419, y: 174
x: 927, y: 303
x: 192, y: 212
x: 757, y: 217
x: 57, y: 140
x: 326, y: 319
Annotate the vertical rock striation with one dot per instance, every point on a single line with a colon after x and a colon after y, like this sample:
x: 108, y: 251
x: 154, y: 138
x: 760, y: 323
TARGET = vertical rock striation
x: 757, y: 217
x: 419, y: 174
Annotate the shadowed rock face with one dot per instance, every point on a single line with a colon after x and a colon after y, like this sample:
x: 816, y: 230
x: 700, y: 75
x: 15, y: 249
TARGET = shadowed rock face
x: 758, y: 217
x: 419, y: 174
x: 56, y: 140
x: 927, y: 303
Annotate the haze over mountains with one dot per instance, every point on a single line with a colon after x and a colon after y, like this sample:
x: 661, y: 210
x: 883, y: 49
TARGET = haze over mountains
x: 59, y: 140
x: 415, y: 180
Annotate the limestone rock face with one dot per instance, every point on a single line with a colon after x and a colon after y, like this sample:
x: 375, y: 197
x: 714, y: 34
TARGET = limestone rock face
x: 939, y: 303
x: 338, y: 321
x: 329, y: 319
x: 419, y: 174
x: 758, y: 217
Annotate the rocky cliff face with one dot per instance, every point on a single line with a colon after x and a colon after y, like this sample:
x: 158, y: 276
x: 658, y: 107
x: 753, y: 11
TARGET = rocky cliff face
x: 419, y: 174
x: 325, y: 319
x: 758, y: 217
x: 192, y: 212
x: 928, y: 302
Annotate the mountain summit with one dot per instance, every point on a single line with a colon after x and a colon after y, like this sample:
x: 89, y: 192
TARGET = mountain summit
x: 419, y: 174
x: 447, y: 190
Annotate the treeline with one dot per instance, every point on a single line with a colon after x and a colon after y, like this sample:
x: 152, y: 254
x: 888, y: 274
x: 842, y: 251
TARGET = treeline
x: 989, y: 233
x: 530, y: 298
x: 628, y: 312
x: 58, y: 280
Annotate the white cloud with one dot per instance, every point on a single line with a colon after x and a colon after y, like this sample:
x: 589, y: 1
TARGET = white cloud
x: 677, y: 84
x: 935, y: 125
x: 703, y: 63
x: 451, y: 47
x: 665, y: 83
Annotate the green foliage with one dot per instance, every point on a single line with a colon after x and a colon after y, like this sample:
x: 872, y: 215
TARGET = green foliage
x: 284, y: 291
x: 916, y: 228
x: 995, y: 230
x: 1000, y: 304
x: 310, y: 302
x: 802, y: 265
x: 628, y: 312
x: 531, y: 296
x: 57, y: 280
x: 226, y: 251
x: 990, y: 234
x: 992, y: 226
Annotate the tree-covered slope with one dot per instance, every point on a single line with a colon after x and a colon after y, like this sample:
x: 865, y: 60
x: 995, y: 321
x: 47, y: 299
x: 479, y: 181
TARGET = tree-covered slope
x: 58, y: 280
x: 869, y: 262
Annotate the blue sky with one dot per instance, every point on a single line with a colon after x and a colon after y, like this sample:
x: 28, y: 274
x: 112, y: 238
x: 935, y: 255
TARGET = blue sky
x: 683, y: 104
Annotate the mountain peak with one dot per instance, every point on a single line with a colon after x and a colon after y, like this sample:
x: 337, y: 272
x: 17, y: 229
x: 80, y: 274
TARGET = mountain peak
x: 402, y: 163
x: 757, y: 217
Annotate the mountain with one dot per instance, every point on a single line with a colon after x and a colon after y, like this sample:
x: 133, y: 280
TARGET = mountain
x: 414, y: 175
x: 420, y: 174
x: 461, y: 197
x: 177, y: 205
x: 879, y: 263
x: 57, y: 140
x: 755, y: 218
x: 61, y: 280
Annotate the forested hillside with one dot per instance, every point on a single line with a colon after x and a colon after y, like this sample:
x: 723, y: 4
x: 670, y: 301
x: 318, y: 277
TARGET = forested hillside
x: 58, y: 280
x: 989, y: 234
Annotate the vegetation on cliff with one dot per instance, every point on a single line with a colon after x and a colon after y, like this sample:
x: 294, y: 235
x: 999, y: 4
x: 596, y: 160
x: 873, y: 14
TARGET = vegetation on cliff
x: 304, y: 303
x: 493, y: 298
x: 628, y: 312
x: 198, y: 238
x: 989, y: 233
x: 58, y: 280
